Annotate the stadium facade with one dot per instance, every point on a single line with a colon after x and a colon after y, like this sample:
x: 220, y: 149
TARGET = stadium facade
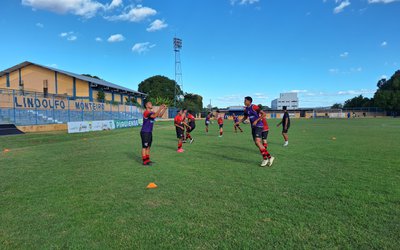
x: 33, y: 94
x: 28, y: 76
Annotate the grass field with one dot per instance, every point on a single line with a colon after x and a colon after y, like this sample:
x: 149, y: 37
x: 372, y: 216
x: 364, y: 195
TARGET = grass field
x: 89, y: 190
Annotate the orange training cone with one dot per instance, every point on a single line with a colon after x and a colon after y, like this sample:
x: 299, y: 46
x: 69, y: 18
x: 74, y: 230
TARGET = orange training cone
x: 151, y: 185
x: 6, y: 150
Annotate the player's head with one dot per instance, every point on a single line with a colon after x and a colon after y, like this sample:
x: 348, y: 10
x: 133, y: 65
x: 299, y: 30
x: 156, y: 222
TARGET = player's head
x: 260, y: 106
x: 148, y: 105
x: 284, y: 108
x: 248, y: 101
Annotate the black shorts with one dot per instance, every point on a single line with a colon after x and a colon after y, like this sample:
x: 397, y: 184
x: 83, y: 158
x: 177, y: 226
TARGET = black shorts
x: 264, y: 135
x: 285, y: 131
x: 179, y: 133
x: 192, y: 127
x: 147, y: 139
x: 221, y: 125
x: 256, y: 132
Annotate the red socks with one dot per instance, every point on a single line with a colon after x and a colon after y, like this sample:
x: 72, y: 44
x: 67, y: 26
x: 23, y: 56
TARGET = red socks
x: 188, y: 136
x: 146, y: 159
x: 265, y: 145
x: 265, y: 154
x: 179, y: 145
x: 220, y: 133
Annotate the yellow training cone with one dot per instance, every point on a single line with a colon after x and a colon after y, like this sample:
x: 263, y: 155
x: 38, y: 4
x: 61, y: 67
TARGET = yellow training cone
x: 151, y: 185
x: 333, y: 138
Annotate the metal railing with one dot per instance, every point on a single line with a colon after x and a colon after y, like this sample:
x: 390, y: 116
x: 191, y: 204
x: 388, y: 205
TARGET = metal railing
x: 34, y: 108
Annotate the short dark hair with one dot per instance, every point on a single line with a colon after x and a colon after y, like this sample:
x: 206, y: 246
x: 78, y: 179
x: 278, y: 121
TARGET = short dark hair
x: 248, y: 98
x: 284, y: 107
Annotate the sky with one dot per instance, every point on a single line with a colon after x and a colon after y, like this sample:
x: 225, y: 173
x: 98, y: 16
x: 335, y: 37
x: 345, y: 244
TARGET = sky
x: 325, y: 50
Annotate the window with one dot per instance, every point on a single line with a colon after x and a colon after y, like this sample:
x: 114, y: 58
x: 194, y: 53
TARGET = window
x: 45, y: 88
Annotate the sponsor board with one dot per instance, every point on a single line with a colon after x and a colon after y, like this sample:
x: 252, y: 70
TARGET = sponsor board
x: 89, y: 126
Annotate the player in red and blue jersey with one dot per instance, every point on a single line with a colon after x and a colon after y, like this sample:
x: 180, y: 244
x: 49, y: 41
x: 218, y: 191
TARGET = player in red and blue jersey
x: 208, y: 118
x: 220, y: 120
x: 255, y: 114
x: 265, y: 130
x: 236, y: 123
x: 146, y: 133
x: 192, y: 125
x: 180, y: 129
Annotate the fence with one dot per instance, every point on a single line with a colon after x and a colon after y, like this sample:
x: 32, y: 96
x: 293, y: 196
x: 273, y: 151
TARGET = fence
x: 31, y: 108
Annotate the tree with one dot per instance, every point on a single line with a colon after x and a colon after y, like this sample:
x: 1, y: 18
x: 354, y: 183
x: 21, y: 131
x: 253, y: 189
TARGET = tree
x: 100, y: 96
x: 337, y: 106
x: 88, y: 75
x: 193, y: 102
x: 159, y: 87
x: 388, y: 94
x: 359, y: 102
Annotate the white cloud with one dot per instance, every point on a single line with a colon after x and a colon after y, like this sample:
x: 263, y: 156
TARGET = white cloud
x: 244, y: 2
x: 341, y: 6
x: 98, y: 39
x: 384, y: 43
x: 116, y: 38
x: 356, y: 92
x: 84, y: 8
x: 114, y: 4
x: 39, y: 25
x: 358, y: 69
x: 70, y: 36
x: 157, y: 25
x: 382, y: 1
x: 383, y: 77
x: 344, y: 54
x: 135, y: 14
x: 141, y: 48
x: 334, y: 71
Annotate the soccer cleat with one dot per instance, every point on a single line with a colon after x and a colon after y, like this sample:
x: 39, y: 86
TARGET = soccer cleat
x: 184, y: 141
x: 286, y: 144
x: 264, y: 163
x: 191, y: 141
x: 180, y: 150
x: 270, y: 161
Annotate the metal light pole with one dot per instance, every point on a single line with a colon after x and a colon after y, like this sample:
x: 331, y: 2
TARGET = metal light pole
x: 178, y: 67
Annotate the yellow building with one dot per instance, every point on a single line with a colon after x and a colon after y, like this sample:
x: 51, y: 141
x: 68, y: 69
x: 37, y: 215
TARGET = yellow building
x: 33, y: 77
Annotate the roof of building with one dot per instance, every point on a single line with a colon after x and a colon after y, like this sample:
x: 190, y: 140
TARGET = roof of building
x: 77, y: 76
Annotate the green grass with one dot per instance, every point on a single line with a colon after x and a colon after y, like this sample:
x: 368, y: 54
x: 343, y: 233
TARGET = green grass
x: 89, y: 190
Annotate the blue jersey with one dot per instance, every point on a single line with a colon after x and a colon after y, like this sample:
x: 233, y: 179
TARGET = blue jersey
x: 252, y: 112
x: 148, y: 122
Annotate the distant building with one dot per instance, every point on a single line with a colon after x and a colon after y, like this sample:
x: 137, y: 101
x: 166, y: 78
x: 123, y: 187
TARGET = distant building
x: 290, y: 100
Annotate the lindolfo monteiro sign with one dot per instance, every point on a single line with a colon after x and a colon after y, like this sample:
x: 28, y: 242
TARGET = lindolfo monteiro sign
x: 56, y: 103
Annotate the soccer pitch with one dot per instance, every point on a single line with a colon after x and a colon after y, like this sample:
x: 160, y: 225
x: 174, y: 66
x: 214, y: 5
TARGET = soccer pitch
x: 89, y: 190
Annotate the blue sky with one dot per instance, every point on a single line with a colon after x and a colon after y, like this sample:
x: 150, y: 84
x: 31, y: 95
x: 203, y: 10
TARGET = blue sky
x: 326, y: 50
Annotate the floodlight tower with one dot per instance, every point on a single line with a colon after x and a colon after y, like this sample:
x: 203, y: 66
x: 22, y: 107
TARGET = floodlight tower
x: 178, y: 67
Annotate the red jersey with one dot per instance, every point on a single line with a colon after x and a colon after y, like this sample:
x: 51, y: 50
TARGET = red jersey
x: 220, y: 121
x: 265, y: 124
x: 191, y: 117
x: 178, y: 119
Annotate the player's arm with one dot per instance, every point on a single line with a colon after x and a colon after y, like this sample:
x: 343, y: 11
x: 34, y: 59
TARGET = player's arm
x: 279, y: 124
x: 286, y: 122
x: 157, y: 113
x: 244, y: 117
x: 260, y: 112
x: 176, y: 125
x: 163, y: 109
x: 186, y: 125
